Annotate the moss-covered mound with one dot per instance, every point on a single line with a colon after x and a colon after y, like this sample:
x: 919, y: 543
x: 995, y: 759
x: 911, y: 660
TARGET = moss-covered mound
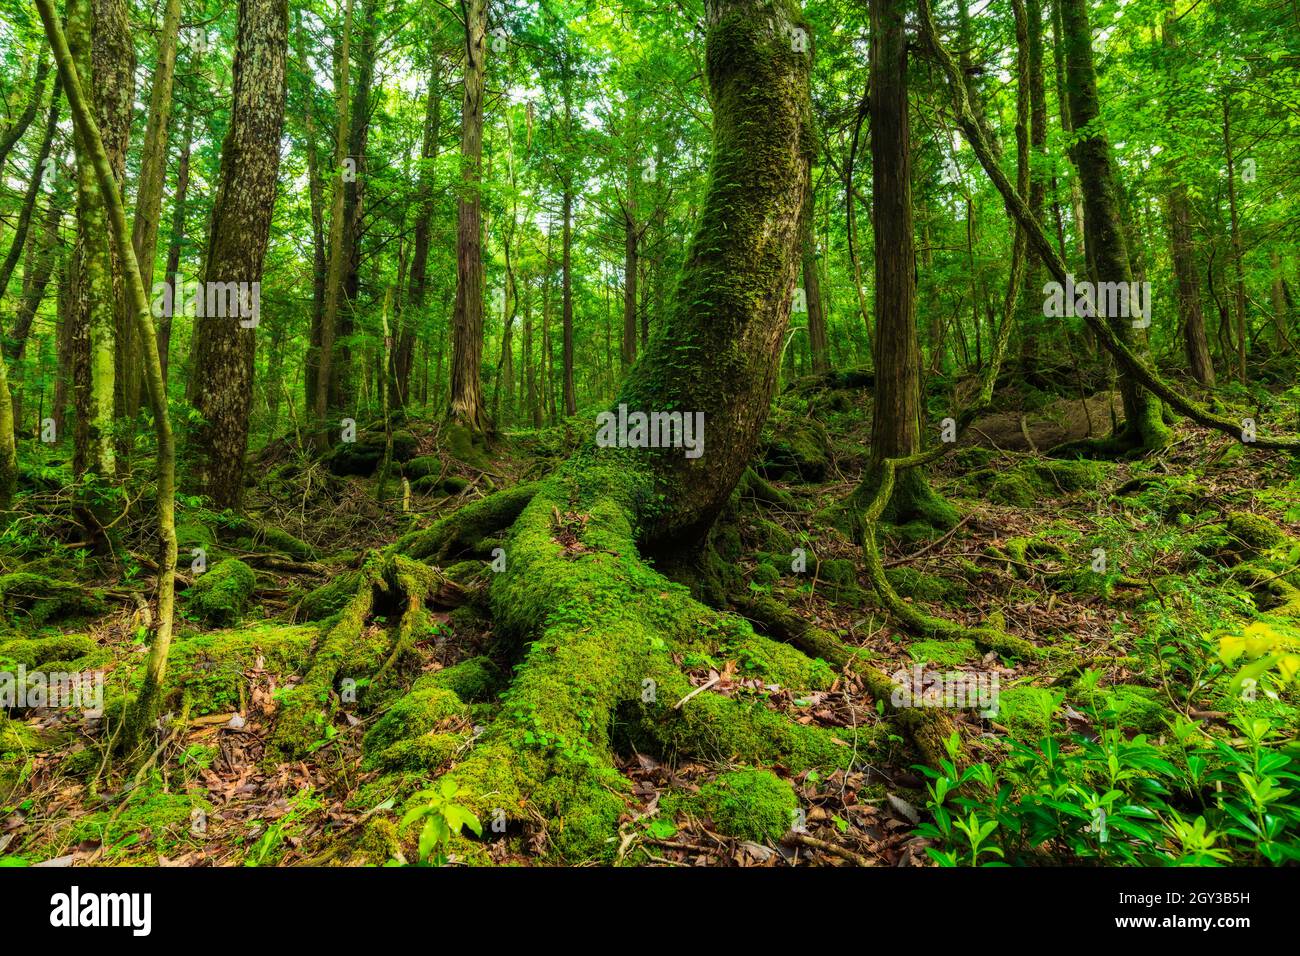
x: 221, y: 594
x: 749, y: 804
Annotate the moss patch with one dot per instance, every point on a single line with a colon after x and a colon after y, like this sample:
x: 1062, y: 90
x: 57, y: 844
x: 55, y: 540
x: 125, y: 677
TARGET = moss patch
x: 749, y: 804
x: 220, y: 596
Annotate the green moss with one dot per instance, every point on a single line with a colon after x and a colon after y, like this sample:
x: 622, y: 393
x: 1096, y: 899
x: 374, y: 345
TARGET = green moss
x: 765, y: 576
x: 794, y: 447
x: 944, y: 653
x: 1254, y: 534
x: 213, y: 668
x: 220, y: 595
x: 474, y: 679
x: 429, y: 753
x: 35, y: 652
x: 919, y: 585
x: 1026, y: 711
x: 35, y: 599
x: 330, y: 597
x: 779, y: 663
x: 770, y: 536
x: 152, y: 823
x: 419, y: 712
x: 749, y: 804
x: 1015, y: 489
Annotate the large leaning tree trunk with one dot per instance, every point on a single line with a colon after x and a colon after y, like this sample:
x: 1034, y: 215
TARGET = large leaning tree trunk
x: 1144, y: 426
x: 241, y: 227
x: 597, y: 630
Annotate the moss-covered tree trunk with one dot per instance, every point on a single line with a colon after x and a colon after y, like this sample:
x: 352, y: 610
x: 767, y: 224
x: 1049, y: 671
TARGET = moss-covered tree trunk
x: 241, y: 228
x: 149, y: 190
x: 817, y: 339
x: 100, y: 48
x: 1103, y: 227
x: 91, y: 142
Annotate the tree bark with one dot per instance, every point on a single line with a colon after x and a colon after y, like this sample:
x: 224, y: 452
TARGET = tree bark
x: 895, y: 428
x: 241, y: 228
x: 467, y: 409
x: 149, y: 189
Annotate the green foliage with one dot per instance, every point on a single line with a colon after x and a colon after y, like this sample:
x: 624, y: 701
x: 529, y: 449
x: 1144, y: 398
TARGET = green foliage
x: 443, y: 819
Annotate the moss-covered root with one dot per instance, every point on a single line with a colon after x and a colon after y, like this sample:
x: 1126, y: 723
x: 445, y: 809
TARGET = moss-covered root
x: 926, y: 727
x: 464, y: 530
x: 910, y: 616
x: 604, y: 628
x: 353, y: 650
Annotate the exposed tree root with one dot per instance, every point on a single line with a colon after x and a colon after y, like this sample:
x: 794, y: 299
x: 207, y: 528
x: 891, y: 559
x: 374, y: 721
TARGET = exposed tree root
x: 464, y: 530
x: 916, y: 620
x: 927, y: 728
x: 601, y: 634
x: 354, y: 650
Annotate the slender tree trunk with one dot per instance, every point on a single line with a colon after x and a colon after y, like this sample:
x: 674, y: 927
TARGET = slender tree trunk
x: 1239, y: 286
x: 180, y: 203
x: 100, y: 48
x: 10, y: 137
x: 316, y: 194
x: 423, y: 215
x: 149, y: 191
x: 1030, y: 302
x: 566, y: 304
x: 334, y: 281
x: 466, y: 408
x: 28, y: 207
x: 144, y: 712
x: 241, y: 228
x: 817, y: 338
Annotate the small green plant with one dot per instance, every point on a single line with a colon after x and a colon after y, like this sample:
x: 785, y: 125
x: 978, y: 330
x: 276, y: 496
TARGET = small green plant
x: 443, y: 818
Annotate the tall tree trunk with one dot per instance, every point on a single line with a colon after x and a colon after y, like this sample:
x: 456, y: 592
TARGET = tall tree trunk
x: 149, y: 190
x: 36, y: 278
x: 733, y: 298
x: 566, y: 300
x: 467, y: 409
x: 1030, y: 302
x: 817, y: 337
x: 144, y: 712
x: 241, y: 228
x: 1103, y: 229
x: 354, y: 191
x: 316, y: 195
x: 895, y: 428
x: 334, y: 280
x: 423, y: 214
x: 100, y: 47
x: 1239, y: 285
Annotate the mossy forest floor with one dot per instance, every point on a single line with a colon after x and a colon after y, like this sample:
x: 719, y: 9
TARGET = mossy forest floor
x: 1148, y: 585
